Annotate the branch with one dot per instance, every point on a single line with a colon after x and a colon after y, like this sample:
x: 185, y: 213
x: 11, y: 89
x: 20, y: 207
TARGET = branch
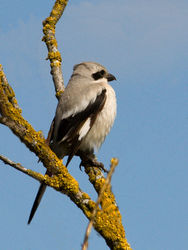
x: 49, y: 38
x: 19, y: 167
x: 114, y: 163
x: 81, y: 199
x: 8, y: 90
x: 15, y: 165
x: 108, y: 219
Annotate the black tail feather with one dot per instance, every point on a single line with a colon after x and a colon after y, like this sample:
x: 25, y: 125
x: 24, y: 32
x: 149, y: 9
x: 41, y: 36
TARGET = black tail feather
x: 36, y: 203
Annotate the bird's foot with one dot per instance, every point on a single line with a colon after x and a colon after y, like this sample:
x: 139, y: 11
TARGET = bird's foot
x: 92, y: 163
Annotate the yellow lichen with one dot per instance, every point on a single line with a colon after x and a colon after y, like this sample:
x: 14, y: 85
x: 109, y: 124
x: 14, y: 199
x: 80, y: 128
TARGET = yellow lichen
x: 52, y: 41
x: 47, y: 27
x: 50, y: 20
x: 114, y: 161
x: 59, y: 93
x: 111, y: 228
x: 55, y: 64
x: 1, y: 74
x: 85, y: 196
x: 54, y: 56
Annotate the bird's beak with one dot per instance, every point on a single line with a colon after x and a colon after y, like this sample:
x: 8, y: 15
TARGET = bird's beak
x: 110, y: 77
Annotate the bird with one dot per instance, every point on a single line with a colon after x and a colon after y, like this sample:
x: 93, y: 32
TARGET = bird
x: 85, y: 113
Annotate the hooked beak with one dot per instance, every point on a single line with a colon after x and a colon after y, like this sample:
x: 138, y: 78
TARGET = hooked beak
x: 110, y: 77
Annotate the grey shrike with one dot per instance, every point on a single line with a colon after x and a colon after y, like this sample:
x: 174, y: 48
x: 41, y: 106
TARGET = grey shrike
x: 84, y: 116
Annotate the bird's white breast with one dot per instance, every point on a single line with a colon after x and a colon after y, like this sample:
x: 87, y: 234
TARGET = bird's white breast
x: 103, y: 123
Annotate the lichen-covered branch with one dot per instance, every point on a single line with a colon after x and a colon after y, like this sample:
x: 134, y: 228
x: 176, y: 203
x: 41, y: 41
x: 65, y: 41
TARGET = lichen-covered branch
x: 81, y: 199
x: 108, y: 219
x: 114, y: 163
x: 8, y: 90
x: 49, y: 38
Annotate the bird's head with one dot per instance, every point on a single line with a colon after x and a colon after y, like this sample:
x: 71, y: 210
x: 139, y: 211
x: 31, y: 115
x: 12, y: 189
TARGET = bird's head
x: 92, y: 70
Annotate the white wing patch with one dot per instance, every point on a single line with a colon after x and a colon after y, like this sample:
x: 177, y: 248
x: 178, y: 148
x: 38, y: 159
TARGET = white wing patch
x: 84, y: 129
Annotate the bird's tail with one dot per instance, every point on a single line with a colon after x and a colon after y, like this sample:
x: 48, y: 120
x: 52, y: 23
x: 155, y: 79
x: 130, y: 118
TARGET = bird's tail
x: 36, y: 203
x: 42, y: 187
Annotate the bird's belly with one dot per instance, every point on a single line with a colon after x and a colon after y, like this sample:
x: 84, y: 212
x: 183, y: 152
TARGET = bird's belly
x: 102, y: 125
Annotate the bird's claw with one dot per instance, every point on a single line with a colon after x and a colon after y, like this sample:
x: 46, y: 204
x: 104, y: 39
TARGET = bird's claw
x: 93, y: 163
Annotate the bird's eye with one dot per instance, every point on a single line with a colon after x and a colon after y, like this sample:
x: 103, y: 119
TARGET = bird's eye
x: 98, y: 74
x: 102, y: 72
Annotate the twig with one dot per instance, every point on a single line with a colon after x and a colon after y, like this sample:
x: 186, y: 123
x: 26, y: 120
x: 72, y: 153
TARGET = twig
x: 114, y: 163
x: 18, y: 166
x: 15, y: 165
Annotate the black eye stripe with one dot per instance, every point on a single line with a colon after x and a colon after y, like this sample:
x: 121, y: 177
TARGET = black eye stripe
x: 98, y: 75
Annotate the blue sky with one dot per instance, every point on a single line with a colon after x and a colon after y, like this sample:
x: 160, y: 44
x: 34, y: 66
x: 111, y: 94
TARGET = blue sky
x: 145, y: 45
